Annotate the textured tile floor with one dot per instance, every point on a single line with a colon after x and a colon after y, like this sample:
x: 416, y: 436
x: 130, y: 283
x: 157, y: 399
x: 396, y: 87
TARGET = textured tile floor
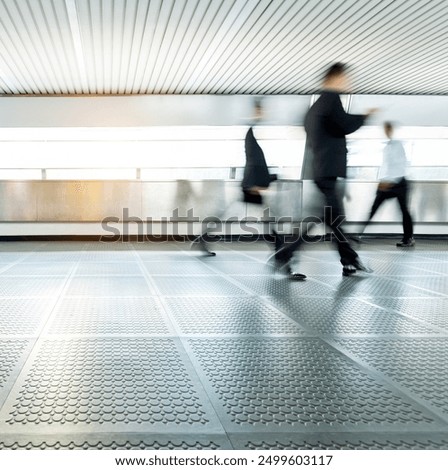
x: 130, y: 345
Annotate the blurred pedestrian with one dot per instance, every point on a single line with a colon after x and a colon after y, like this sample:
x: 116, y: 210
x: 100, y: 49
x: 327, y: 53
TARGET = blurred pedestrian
x: 326, y: 125
x: 257, y: 178
x: 393, y: 184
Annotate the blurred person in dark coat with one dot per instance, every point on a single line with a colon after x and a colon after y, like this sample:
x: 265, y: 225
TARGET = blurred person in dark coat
x: 257, y: 178
x: 326, y: 125
x: 256, y: 175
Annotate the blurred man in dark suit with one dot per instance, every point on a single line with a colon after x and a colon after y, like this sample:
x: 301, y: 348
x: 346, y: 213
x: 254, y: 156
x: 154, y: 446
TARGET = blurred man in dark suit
x: 326, y: 125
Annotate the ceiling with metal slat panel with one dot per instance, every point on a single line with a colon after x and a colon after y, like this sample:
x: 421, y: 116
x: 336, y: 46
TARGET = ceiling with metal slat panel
x: 71, y: 47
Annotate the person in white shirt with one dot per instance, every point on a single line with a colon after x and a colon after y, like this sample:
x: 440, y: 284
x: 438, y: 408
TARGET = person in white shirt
x: 393, y: 183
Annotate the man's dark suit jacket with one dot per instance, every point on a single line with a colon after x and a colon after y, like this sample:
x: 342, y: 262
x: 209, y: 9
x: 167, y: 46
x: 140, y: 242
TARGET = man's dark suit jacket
x: 326, y: 125
x: 256, y: 172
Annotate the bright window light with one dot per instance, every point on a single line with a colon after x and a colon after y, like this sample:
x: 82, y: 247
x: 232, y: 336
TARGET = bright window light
x: 149, y: 153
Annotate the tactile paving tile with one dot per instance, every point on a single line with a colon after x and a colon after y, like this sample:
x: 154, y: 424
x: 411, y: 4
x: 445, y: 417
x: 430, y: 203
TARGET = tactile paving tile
x: 165, y: 256
x: 365, y: 285
x: 436, y: 256
x: 53, y: 257
x: 184, y: 268
x: 398, y: 269
x: 23, y: 316
x: 146, y: 246
x: 296, y: 383
x: 344, y: 441
x: 20, y: 246
x: 107, y: 256
x: 420, y: 365
x: 100, y: 316
x: 196, y: 285
x: 122, y: 441
x: 317, y: 268
x: 91, y: 286
x: 7, y: 258
x: 10, y: 353
x: 227, y: 255
x: 440, y: 268
x: 39, y: 269
x: 229, y: 316
x: 282, y: 286
x: 241, y: 267
x: 129, y: 381
x: 31, y: 286
x: 398, y: 257
x: 108, y: 269
x: 348, y: 316
x: 430, y: 310
x: 438, y: 284
x: 4, y: 266
x: 110, y: 246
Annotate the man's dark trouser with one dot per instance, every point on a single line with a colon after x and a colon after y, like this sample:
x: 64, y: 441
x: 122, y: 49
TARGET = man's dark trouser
x: 400, y: 191
x: 334, y: 216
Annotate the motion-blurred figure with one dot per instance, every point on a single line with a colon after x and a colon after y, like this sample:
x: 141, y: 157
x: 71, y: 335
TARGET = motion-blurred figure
x: 326, y: 125
x: 257, y: 178
x: 393, y: 184
x: 256, y: 175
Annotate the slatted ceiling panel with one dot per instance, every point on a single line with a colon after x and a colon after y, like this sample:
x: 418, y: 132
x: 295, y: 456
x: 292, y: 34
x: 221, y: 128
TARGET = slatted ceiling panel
x: 259, y: 32
x: 158, y: 22
x: 143, y: 25
x: 288, y: 47
x: 240, y: 20
x: 221, y: 46
x: 337, y: 36
x: 181, y: 45
x: 188, y: 38
x: 250, y: 45
x: 223, y: 26
x: 400, y: 46
x: 69, y: 10
x: 167, y: 44
x: 134, y: 27
x: 334, y: 37
x: 300, y: 38
x: 169, y: 52
x: 214, y: 25
x: 168, y: 40
x: 260, y: 36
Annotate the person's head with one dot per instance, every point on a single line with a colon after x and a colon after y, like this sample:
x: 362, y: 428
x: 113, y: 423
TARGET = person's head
x: 258, y: 109
x: 337, y: 78
x: 388, y: 129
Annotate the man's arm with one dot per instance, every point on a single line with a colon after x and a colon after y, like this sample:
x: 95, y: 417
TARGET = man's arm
x: 348, y: 123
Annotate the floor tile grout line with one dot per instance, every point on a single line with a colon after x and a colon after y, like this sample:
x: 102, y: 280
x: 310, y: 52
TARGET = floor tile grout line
x: 403, y: 392
x: 405, y: 315
x: 435, y: 294
x: 183, y: 342
x: 20, y: 260
x: 301, y: 325
x: 253, y: 294
x: 40, y: 337
x: 443, y: 416
x: 283, y: 313
x: 438, y: 426
x: 157, y: 294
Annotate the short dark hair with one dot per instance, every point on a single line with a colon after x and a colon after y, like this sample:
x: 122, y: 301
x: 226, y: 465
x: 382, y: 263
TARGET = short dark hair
x: 389, y: 126
x: 334, y: 70
x: 258, y: 103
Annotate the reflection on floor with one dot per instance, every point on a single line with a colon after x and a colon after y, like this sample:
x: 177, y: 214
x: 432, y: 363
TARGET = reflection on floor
x: 130, y: 345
